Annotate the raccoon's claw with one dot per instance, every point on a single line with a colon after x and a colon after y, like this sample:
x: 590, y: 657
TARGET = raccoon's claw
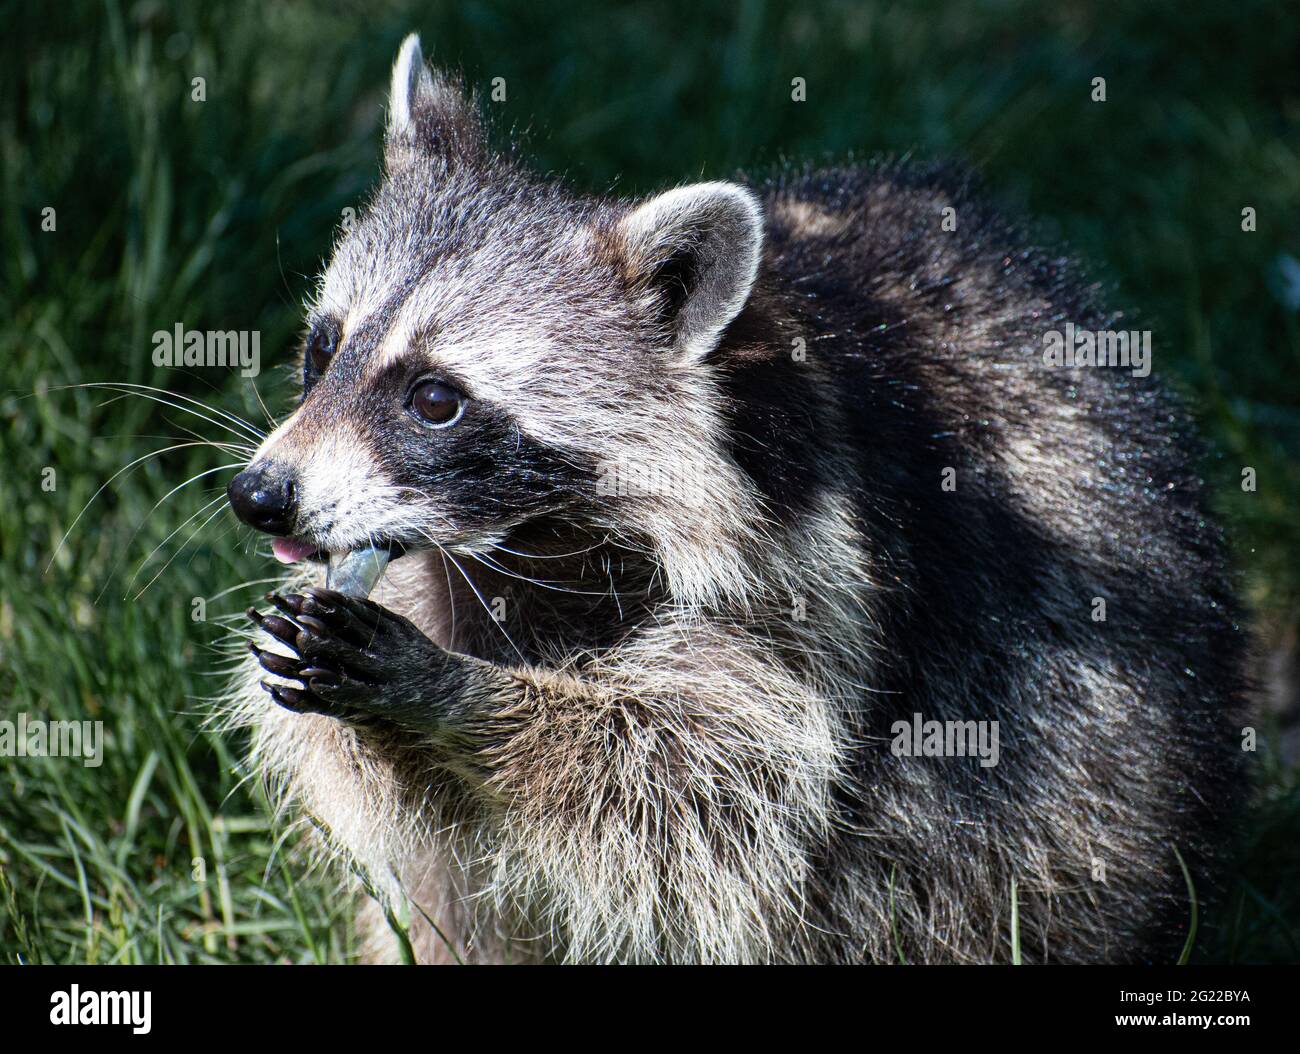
x: 353, y: 660
x: 280, y: 665
x: 321, y: 677
x: 280, y: 628
x: 290, y: 698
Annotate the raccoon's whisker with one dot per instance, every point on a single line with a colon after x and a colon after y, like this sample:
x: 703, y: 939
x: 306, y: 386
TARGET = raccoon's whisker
x: 495, y: 566
x: 613, y: 585
x: 179, y: 527
x: 146, y: 391
x: 551, y: 556
x: 232, y: 448
x: 469, y: 582
x: 247, y: 426
x: 451, y: 596
x: 219, y: 500
x: 492, y: 565
x: 179, y: 486
x: 125, y: 468
x: 233, y: 526
x: 265, y: 412
x: 184, y: 409
x: 244, y: 450
x: 244, y: 585
x: 140, y: 526
x: 422, y: 505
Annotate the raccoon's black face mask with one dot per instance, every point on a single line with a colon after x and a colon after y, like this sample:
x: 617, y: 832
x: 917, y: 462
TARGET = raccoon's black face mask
x: 404, y: 452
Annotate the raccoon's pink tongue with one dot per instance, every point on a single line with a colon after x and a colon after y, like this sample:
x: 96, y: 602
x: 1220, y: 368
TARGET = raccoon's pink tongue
x: 288, y: 551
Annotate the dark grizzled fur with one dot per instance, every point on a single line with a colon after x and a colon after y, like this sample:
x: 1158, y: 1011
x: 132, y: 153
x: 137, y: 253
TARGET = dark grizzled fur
x: 975, y: 566
x: 923, y: 353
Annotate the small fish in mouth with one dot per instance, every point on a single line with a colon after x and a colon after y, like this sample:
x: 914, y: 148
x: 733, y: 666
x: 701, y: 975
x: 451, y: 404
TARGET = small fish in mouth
x: 353, y: 573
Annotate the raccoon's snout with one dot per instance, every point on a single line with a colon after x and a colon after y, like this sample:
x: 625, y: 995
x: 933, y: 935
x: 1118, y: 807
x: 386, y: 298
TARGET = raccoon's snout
x: 264, y: 496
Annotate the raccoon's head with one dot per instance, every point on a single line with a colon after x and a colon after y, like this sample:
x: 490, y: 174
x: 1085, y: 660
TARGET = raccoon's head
x: 486, y: 349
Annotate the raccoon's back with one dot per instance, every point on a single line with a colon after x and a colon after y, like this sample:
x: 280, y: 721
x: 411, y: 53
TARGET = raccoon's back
x: 1053, y: 562
x: 1020, y: 479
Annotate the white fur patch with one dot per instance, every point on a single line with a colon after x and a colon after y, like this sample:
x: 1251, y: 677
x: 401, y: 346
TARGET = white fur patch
x: 411, y: 80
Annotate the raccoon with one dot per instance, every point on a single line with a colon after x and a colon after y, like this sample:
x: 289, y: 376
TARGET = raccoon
x: 697, y: 505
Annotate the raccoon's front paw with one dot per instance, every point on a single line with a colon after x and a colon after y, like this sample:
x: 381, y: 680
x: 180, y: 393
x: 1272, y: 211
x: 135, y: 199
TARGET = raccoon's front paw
x: 353, y: 659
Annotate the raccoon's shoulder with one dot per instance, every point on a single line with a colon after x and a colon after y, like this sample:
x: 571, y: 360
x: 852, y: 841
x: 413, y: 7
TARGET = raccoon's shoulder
x: 895, y: 201
x: 928, y: 233
x: 884, y: 194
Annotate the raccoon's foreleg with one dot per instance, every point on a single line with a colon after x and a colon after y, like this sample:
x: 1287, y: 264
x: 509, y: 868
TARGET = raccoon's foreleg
x: 664, y: 803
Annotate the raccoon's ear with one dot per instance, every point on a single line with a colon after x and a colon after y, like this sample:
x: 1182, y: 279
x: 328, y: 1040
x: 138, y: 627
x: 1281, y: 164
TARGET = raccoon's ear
x: 696, y: 251
x: 428, y: 114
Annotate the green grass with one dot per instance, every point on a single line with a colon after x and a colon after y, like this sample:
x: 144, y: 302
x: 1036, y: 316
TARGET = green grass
x: 217, y: 214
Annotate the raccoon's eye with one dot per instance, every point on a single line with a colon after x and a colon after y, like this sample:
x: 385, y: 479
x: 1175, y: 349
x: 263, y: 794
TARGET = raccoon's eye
x: 320, y: 346
x: 437, y: 403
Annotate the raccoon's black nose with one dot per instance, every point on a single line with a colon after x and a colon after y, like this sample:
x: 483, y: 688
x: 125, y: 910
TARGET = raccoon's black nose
x: 263, y: 497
